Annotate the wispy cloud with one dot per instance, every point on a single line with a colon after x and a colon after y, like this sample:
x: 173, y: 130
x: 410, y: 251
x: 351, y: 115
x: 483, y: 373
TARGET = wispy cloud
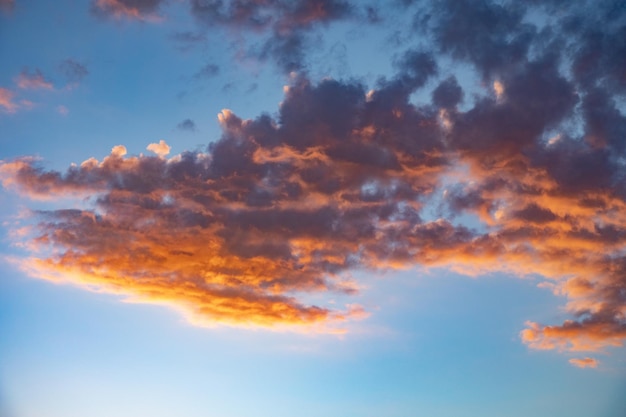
x: 7, y: 100
x: 187, y: 40
x: 584, y: 362
x: 73, y: 70
x: 207, y: 71
x: 144, y: 10
x: 33, y: 80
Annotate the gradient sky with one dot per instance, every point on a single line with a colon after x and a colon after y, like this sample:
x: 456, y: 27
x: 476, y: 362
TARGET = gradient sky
x: 241, y: 208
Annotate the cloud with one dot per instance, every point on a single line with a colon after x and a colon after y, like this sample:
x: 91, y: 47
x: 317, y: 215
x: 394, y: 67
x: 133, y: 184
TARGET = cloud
x: 118, y: 151
x: 584, y: 362
x: 269, y: 215
x: 34, y: 80
x: 144, y: 10
x: 345, y: 176
x: 339, y: 180
x: 160, y: 148
x: 186, y: 40
x: 187, y: 125
x: 415, y: 68
x: 73, y: 71
x: 9, y: 103
x: 282, y: 25
x: 448, y: 93
x: 6, y: 101
x: 207, y: 71
x: 491, y: 35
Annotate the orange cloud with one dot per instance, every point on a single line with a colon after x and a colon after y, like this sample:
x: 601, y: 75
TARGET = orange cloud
x: 584, y: 362
x: 160, y: 148
x: 280, y: 209
x: 575, y: 336
x: 144, y: 10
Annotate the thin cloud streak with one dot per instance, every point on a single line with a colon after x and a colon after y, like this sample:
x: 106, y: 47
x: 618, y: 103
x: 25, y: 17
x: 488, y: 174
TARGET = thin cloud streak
x: 584, y: 362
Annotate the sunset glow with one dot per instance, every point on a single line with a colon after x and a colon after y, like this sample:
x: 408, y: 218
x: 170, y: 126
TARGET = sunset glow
x: 403, y: 193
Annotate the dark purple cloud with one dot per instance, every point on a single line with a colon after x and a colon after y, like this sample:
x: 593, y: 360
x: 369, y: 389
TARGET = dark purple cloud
x: 283, y: 25
x: 490, y: 35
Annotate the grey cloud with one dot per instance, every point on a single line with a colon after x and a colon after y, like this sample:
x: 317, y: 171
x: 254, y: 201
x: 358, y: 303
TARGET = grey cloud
x: 207, y: 71
x: 187, y: 40
x: 73, y: 70
x: 283, y: 25
x: 187, y: 125
x: 448, y: 93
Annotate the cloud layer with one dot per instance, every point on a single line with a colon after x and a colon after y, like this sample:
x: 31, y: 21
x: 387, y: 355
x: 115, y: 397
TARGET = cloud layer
x: 347, y: 177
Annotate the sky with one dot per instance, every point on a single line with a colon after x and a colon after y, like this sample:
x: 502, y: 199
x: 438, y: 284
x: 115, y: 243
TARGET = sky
x: 242, y: 208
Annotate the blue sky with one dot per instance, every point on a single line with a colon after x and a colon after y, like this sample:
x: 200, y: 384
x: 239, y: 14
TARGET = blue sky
x: 312, y: 207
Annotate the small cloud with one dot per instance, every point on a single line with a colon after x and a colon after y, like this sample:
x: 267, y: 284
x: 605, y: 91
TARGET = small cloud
x: 188, y: 125
x: 62, y: 110
x: 356, y: 312
x: 498, y: 88
x: 160, y: 148
x: 144, y: 10
x: 187, y: 40
x: 118, y: 150
x: 208, y: 71
x: 33, y: 81
x: 73, y: 71
x: 584, y: 362
x: 6, y: 100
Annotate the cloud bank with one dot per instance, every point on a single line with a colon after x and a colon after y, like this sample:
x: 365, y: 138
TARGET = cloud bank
x: 345, y: 177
